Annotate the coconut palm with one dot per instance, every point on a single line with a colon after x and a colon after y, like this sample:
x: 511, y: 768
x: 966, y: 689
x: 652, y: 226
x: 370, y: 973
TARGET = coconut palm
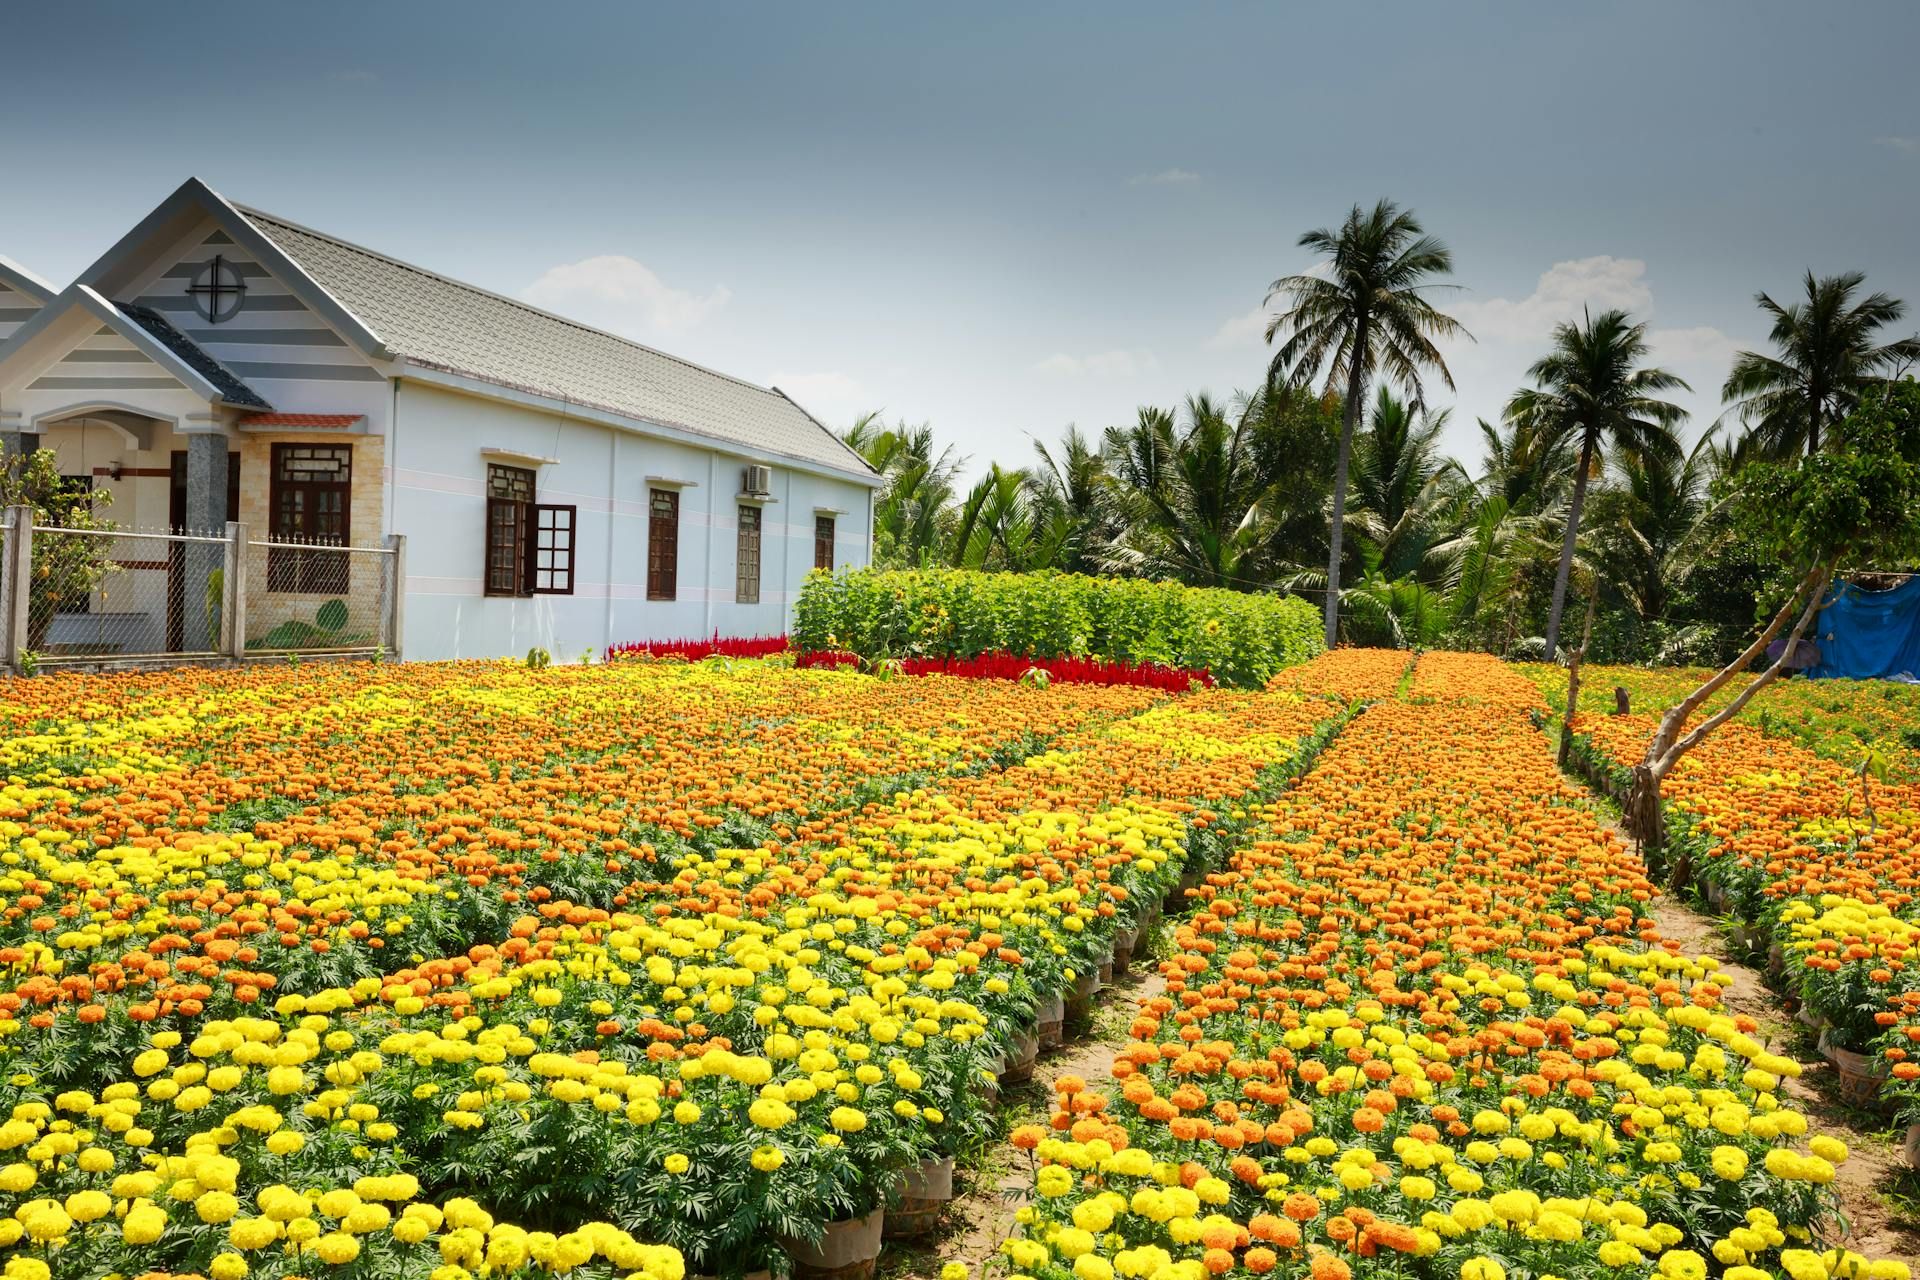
x: 1072, y: 503
x: 1825, y: 355
x: 915, y: 505
x: 1402, y: 488
x: 1367, y: 314
x: 1191, y: 496
x: 1649, y: 526
x: 1591, y: 387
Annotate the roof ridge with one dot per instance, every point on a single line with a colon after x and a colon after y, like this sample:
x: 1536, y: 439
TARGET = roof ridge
x: 249, y: 212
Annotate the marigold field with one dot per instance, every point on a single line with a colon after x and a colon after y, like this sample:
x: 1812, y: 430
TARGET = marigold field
x: 653, y: 969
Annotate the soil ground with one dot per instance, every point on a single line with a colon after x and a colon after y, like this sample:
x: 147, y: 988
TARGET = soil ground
x: 990, y: 1188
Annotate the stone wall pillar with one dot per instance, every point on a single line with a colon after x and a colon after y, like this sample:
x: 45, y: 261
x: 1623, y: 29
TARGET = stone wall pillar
x: 14, y: 443
x: 206, y: 516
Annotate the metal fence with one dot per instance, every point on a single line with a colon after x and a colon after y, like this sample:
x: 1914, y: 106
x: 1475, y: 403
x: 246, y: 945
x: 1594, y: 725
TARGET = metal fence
x: 73, y: 596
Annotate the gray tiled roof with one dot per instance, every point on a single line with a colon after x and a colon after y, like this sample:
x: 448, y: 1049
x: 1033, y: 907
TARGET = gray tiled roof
x: 232, y: 389
x: 441, y: 323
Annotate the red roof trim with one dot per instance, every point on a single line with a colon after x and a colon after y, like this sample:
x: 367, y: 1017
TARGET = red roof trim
x: 304, y: 421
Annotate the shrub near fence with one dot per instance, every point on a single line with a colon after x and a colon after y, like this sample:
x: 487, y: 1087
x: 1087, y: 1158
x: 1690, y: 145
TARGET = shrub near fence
x: 936, y: 613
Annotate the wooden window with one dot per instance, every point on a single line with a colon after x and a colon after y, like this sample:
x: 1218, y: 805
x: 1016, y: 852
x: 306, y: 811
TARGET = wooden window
x: 553, y: 527
x: 663, y: 544
x: 509, y: 523
x: 529, y: 544
x: 747, y: 560
x: 823, y: 543
x: 310, y: 500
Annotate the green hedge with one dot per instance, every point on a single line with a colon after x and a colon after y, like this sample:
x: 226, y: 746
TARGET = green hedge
x: 1242, y: 639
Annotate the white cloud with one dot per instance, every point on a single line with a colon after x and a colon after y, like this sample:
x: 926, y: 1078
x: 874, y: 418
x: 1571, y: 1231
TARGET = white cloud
x: 1101, y: 364
x: 622, y: 294
x: 1700, y: 345
x: 1905, y: 144
x: 1164, y: 178
x: 1248, y: 329
x: 833, y: 397
x: 1600, y: 282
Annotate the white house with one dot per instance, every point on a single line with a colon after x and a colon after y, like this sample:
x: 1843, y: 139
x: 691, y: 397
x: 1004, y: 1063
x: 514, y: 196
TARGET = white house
x: 558, y: 486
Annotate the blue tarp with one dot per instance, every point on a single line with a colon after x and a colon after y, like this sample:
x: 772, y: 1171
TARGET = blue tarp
x: 1870, y: 635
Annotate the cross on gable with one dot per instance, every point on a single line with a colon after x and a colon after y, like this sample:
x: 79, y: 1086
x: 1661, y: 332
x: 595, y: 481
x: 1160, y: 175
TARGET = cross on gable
x: 219, y: 290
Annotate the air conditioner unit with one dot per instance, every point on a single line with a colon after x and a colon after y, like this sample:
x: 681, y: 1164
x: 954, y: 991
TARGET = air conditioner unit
x: 758, y: 481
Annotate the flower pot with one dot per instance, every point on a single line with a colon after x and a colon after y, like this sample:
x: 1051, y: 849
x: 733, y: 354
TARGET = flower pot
x: 1105, y: 970
x: 751, y: 1275
x: 1020, y: 1056
x: 1808, y: 1018
x: 1861, y: 1075
x: 925, y: 1190
x: 1052, y: 1015
x: 1123, y: 949
x: 1079, y: 1001
x: 1911, y: 1147
x: 1776, y: 959
x: 846, y: 1251
x: 1716, y: 895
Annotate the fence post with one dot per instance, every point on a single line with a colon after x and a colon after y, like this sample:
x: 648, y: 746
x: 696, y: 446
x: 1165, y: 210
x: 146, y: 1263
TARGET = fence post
x: 15, y: 575
x: 233, y: 610
x: 398, y: 614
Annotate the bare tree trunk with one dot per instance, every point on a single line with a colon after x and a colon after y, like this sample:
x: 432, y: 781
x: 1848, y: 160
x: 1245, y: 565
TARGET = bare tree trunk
x: 1642, y: 816
x: 1565, y: 573
x: 1573, y: 677
x: 1356, y: 387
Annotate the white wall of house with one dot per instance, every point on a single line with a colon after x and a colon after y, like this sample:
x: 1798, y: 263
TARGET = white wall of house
x: 440, y: 446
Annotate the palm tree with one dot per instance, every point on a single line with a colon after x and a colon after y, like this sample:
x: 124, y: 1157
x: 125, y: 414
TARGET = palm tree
x: 915, y: 504
x: 1367, y: 315
x: 1590, y: 386
x: 1530, y: 467
x: 1071, y: 501
x: 1192, y: 497
x: 1649, y: 526
x: 1401, y: 485
x: 1826, y: 356
x: 995, y: 526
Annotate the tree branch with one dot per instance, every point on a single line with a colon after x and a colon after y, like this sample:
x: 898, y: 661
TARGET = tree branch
x: 1677, y: 716
x: 1672, y: 757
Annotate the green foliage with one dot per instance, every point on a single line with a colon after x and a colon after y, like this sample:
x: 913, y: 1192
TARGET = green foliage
x: 296, y: 633
x: 67, y: 567
x: 1242, y: 638
x: 538, y: 659
x: 1855, y: 505
x: 331, y: 616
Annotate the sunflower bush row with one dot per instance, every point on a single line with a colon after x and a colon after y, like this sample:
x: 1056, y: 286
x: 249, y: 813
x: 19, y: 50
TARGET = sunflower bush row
x: 1423, y: 1025
x: 1242, y: 639
x: 673, y: 961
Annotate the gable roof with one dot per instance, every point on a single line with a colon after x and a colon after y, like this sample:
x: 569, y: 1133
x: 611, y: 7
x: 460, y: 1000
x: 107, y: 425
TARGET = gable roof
x: 17, y: 278
x: 431, y: 321
x: 149, y: 334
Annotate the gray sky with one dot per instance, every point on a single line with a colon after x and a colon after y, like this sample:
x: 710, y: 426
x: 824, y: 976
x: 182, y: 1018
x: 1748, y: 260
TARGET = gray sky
x: 1004, y: 219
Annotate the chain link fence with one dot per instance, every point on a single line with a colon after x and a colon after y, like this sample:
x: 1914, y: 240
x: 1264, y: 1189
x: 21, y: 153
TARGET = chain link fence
x: 320, y: 598
x: 95, y: 594
x: 71, y: 596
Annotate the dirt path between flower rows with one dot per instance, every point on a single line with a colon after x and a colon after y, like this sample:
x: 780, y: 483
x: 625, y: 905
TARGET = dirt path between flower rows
x: 1869, y: 1182
x: 990, y: 1189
